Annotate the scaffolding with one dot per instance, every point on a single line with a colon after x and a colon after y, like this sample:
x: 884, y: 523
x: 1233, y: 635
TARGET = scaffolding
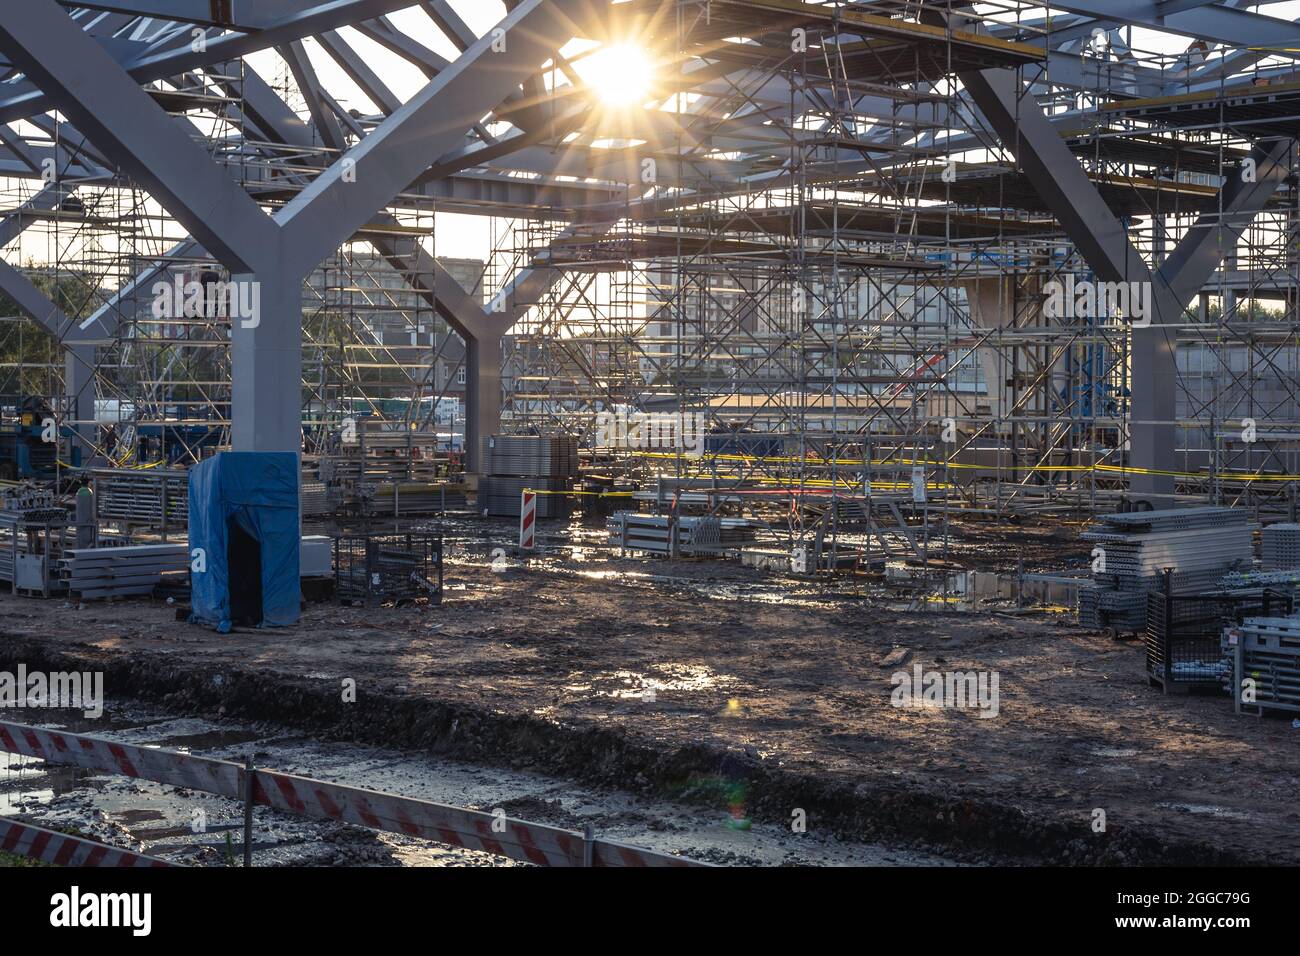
x: 823, y: 253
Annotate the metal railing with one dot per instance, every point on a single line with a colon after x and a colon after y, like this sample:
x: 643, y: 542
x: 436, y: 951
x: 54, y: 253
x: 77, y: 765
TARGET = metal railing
x: 494, y: 833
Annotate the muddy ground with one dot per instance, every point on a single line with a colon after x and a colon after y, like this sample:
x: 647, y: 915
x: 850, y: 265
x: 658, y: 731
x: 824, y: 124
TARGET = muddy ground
x: 711, y: 685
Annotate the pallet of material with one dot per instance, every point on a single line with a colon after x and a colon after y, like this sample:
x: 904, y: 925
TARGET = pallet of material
x: 137, y: 496
x: 529, y: 455
x: 501, y: 497
x: 313, y: 498
x: 1198, y: 545
x: 1265, y: 650
x: 406, y: 497
x: 696, y: 536
x: 1280, y: 547
x: 121, y: 571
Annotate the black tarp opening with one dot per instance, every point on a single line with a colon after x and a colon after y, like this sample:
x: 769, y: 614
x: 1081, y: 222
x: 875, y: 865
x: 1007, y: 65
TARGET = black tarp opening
x: 244, y: 559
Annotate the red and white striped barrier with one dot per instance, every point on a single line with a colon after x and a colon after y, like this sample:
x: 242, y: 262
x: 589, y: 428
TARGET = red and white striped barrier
x: 147, y: 763
x: 62, y: 849
x: 528, y: 519
x: 471, y: 829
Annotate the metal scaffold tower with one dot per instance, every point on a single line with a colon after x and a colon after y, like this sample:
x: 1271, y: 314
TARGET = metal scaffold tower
x: 831, y: 232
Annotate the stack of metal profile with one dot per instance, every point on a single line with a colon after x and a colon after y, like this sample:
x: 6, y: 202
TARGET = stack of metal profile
x: 1101, y: 606
x: 501, y: 497
x: 31, y: 503
x: 1265, y: 650
x: 1198, y: 546
x: 513, y: 463
x: 1280, y: 544
x: 398, y: 498
x: 154, y: 497
x: 92, y: 573
x: 1284, y: 581
x: 696, y: 535
x: 313, y: 498
x: 553, y: 456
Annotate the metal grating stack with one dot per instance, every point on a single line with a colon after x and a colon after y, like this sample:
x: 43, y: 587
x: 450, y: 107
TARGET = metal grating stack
x: 313, y: 498
x: 530, y: 455
x: 696, y: 536
x: 1101, y: 606
x: 153, y: 497
x: 1265, y: 650
x: 1280, y: 547
x: 122, y: 571
x: 512, y: 463
x: 1200, y: 545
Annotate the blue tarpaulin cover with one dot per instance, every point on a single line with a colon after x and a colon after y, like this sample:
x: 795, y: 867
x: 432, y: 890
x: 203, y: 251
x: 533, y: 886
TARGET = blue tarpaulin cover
x: 259, y: 490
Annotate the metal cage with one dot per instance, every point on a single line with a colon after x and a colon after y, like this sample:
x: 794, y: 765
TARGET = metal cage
x: 374, y: 569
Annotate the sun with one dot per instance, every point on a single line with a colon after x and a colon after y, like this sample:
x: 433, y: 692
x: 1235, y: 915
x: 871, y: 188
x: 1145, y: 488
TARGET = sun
x: 621, y: 75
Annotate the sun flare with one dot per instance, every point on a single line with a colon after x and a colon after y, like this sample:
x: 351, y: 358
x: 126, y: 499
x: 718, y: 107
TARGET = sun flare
x: 621, y: 74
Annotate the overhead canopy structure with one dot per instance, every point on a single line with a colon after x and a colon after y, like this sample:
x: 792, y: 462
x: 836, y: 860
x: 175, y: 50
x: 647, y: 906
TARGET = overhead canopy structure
x: 790, y: 140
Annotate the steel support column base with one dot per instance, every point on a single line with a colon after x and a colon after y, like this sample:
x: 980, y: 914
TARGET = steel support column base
x: 482, y: 394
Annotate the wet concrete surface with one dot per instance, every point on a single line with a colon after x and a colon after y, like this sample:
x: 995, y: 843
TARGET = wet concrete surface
x: 191, y: 828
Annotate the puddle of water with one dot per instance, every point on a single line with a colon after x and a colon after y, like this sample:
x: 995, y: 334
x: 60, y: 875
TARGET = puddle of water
x: 21, y: 802
x: 1113, y: 751
x: 664, y: 677
x: 10, y: 761
x: 1207, y: 809
x: 206, y: 740
x: 58, y: 779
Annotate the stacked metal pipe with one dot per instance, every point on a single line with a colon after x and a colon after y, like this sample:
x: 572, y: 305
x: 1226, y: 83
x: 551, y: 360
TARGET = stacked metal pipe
x: 1280, y: 547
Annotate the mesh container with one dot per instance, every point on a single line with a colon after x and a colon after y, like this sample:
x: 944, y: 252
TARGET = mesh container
x: 374, y: 569
x: 1184, y: 635
x: 1182, y: 639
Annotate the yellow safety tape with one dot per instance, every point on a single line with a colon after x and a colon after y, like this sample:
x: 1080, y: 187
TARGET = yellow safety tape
x: 1230, y: 475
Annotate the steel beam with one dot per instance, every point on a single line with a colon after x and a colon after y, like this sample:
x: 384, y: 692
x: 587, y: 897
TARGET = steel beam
x: 22, y: 98
x: 1221, y: 24
x: 344, y: 197
x: 1023, y: 128
x: 1021, y: 125
x: 91, y: 89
